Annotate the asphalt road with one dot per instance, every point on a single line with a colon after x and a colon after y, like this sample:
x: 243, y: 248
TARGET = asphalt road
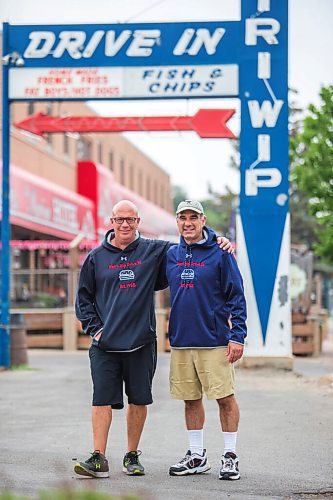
x: 285, y: 441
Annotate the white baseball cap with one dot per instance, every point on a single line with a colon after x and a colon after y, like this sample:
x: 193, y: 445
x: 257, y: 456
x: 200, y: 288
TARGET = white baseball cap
x: 190, y: 205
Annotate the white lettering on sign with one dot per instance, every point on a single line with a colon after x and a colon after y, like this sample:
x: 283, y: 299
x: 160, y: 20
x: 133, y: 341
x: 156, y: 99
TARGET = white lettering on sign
x: 266, y: 113
x: 65, y: 213
x: 270, y: 28
x: 141, y: 43
x: 202, y: 38
x: 264, y: 149
x: 264, y: 5
x: 261, y: 177
x: 70, y: 41
x: 93, y: 43
x: 88, y: 226
x: 41, y: 43
x: 264, y: 65
x: 36, y: 207
x: 113, y: 44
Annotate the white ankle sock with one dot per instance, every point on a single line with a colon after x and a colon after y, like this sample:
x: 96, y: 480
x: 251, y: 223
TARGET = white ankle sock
x: 195, y: 439
x: 230, y: 439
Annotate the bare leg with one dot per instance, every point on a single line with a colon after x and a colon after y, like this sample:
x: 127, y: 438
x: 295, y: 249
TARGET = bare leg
x: 194, y: 415
x: 101, y: 421
x: 229, y: 413
x: 136, y: 417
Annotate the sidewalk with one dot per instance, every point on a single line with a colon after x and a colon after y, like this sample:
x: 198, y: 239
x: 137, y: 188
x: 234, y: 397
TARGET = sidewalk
x: 285, y: 440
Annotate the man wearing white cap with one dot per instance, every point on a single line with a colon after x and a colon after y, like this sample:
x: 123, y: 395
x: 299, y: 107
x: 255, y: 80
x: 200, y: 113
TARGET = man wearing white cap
x: 206, y: 332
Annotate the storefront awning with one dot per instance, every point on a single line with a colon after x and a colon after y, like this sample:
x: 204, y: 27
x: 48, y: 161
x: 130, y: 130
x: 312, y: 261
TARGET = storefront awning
x: 39, y: 205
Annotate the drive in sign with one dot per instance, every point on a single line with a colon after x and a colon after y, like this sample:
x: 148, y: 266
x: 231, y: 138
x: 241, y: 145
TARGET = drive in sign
x: 148, y: 44
x: 245, y: 58
x: 126, y: 61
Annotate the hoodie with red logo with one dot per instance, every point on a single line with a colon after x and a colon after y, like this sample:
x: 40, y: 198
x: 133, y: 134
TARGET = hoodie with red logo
x: 206, y: 292
x: 116, y: 293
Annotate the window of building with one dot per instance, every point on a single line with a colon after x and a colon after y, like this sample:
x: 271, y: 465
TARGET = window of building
x: 49, y: 108
x: 111, y: 159
x: 83, y: 149
x: 155, y: 192
x: 148, y: 188
x: 140, y: 190
x: 66, y: 145
x: 100, y: 152
x: 49, y: 137
x: 31, y: 106
x: 131, y: 177
x: 162, y: 202
x: 122, y: 172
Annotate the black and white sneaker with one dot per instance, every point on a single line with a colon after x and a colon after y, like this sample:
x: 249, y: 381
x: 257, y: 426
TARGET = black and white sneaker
x: 229, y: 469
x: 96, y: 466
x: 192, y: 463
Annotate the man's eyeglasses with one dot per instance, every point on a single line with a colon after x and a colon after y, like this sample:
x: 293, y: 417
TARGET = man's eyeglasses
x: 121, y: 220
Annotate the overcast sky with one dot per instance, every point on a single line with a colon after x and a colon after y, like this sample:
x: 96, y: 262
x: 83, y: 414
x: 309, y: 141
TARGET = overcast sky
x: 193, y: 162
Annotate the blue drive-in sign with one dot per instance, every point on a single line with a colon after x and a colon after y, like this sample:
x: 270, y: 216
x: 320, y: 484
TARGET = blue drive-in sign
x: 126, y: 61
x: 245, y: 59
x: 264, y: 221
x: 148, y: 44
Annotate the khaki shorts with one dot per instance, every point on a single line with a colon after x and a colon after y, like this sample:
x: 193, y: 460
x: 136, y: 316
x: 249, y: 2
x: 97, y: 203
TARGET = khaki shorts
x: 197, y: 371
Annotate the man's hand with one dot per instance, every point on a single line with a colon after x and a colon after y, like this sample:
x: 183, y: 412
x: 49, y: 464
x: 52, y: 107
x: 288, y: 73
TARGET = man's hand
x: 234, y: 352
x: 225, y: 244
x: 98, y: 335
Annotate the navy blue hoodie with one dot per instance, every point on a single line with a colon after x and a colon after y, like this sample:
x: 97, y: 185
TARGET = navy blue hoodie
x: 116, y: 293
x: 206, y: 290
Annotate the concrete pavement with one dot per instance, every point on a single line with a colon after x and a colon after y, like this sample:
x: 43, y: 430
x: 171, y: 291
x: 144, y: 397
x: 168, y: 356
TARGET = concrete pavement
x: 285, y: 440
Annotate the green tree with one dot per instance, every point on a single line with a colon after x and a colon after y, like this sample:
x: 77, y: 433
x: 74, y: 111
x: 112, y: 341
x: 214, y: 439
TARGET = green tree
x: 303, y: 224
x: 311, y: 155
x: 219, y: 210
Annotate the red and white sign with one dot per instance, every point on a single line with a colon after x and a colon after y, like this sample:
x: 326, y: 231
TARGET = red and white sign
x: 38, y: 205
x: 121, y: 82
x: 65, y: 83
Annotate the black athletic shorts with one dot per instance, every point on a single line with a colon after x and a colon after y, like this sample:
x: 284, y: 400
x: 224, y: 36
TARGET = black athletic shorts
x: 111, y: 370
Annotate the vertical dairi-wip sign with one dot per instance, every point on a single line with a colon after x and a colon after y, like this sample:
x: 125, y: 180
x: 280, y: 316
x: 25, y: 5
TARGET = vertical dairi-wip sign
x: 263, y: 222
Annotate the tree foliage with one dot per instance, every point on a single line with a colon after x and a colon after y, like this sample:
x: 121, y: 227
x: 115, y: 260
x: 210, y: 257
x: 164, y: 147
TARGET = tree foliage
x: 303, y: 224
x: 220, y: 213
x: 311, y: 155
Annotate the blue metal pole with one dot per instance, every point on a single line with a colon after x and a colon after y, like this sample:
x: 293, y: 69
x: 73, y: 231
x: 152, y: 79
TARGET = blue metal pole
x: 5, y: 225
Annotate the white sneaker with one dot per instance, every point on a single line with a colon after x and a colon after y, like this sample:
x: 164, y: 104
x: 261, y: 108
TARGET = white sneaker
x: 229, y: 469
x: 192, y: 463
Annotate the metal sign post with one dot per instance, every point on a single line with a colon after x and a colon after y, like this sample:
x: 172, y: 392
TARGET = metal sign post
x: 5, y: 223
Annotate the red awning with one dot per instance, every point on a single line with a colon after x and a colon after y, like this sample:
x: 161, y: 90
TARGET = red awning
x: 40, y: 205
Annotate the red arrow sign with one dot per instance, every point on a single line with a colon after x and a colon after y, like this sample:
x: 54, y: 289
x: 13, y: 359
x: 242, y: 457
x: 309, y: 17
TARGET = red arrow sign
x: 208, y: 123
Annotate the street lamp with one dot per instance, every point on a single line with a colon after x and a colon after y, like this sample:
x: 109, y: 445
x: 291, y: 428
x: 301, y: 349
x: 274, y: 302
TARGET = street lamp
x: 14, y: 58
